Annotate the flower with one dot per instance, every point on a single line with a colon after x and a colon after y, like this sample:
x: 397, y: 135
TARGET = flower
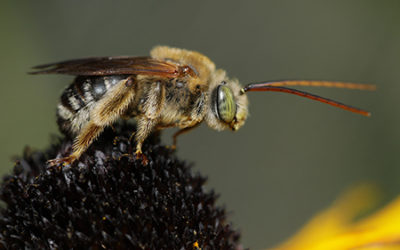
x: 108, y: 199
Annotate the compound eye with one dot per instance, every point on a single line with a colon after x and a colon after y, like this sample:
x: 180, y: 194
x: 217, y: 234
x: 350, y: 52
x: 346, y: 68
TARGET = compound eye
x: 226, y: 106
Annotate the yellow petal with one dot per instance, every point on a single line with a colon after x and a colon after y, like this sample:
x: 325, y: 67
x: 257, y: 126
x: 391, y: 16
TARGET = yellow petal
x: 335, y: 228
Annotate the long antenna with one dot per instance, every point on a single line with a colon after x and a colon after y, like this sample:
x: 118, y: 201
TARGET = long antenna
x: 277, y: 87
x: 343, y: 85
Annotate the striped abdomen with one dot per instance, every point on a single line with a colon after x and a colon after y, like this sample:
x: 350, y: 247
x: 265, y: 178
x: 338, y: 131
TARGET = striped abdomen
x: 78, y: 99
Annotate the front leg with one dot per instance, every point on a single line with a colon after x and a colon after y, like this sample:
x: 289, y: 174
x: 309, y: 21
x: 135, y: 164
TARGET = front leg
x: 181, y: 132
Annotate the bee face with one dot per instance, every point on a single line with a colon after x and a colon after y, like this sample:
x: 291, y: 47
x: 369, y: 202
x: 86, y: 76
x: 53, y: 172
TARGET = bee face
x: 228, y: 106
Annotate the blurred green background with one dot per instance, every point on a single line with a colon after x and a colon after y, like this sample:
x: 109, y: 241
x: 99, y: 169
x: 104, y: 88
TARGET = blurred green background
x: 293, y: 156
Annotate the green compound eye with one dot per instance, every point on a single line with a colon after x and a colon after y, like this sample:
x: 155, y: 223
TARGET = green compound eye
x: 226, y: 106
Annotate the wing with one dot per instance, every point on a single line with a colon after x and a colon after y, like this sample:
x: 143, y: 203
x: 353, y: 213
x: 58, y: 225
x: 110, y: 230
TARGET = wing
x: 102, y: 66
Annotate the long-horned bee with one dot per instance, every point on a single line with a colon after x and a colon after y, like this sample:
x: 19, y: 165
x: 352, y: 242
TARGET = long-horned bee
x: 171, y: 88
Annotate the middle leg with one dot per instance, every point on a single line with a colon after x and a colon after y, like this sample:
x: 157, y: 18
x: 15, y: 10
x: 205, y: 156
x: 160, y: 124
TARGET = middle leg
x: 144, y: 127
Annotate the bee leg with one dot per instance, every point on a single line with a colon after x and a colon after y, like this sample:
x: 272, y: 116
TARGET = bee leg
x: 181, y: 132
x: 132, y: 135
x: 144, y: 127
x: 112, y: 127
x: 129, y: 156
x: 148, y: 121
x: 82, y: 142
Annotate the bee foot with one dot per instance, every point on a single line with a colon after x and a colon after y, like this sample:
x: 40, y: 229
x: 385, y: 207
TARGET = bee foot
x: 61, y: 161
x: 143, y: 157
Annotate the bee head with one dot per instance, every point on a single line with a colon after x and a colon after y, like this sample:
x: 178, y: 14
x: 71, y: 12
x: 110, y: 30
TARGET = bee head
x: 227, y: 105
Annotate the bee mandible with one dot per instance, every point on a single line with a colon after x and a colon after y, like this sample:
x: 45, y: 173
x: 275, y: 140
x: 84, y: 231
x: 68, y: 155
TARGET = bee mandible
x: 171, y: 88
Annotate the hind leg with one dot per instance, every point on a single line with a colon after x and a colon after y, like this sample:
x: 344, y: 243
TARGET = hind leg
x: 104, y: 114
x: 82, y: 142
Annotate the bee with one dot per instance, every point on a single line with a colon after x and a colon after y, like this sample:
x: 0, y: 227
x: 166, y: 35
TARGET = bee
x: 171, y: 88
